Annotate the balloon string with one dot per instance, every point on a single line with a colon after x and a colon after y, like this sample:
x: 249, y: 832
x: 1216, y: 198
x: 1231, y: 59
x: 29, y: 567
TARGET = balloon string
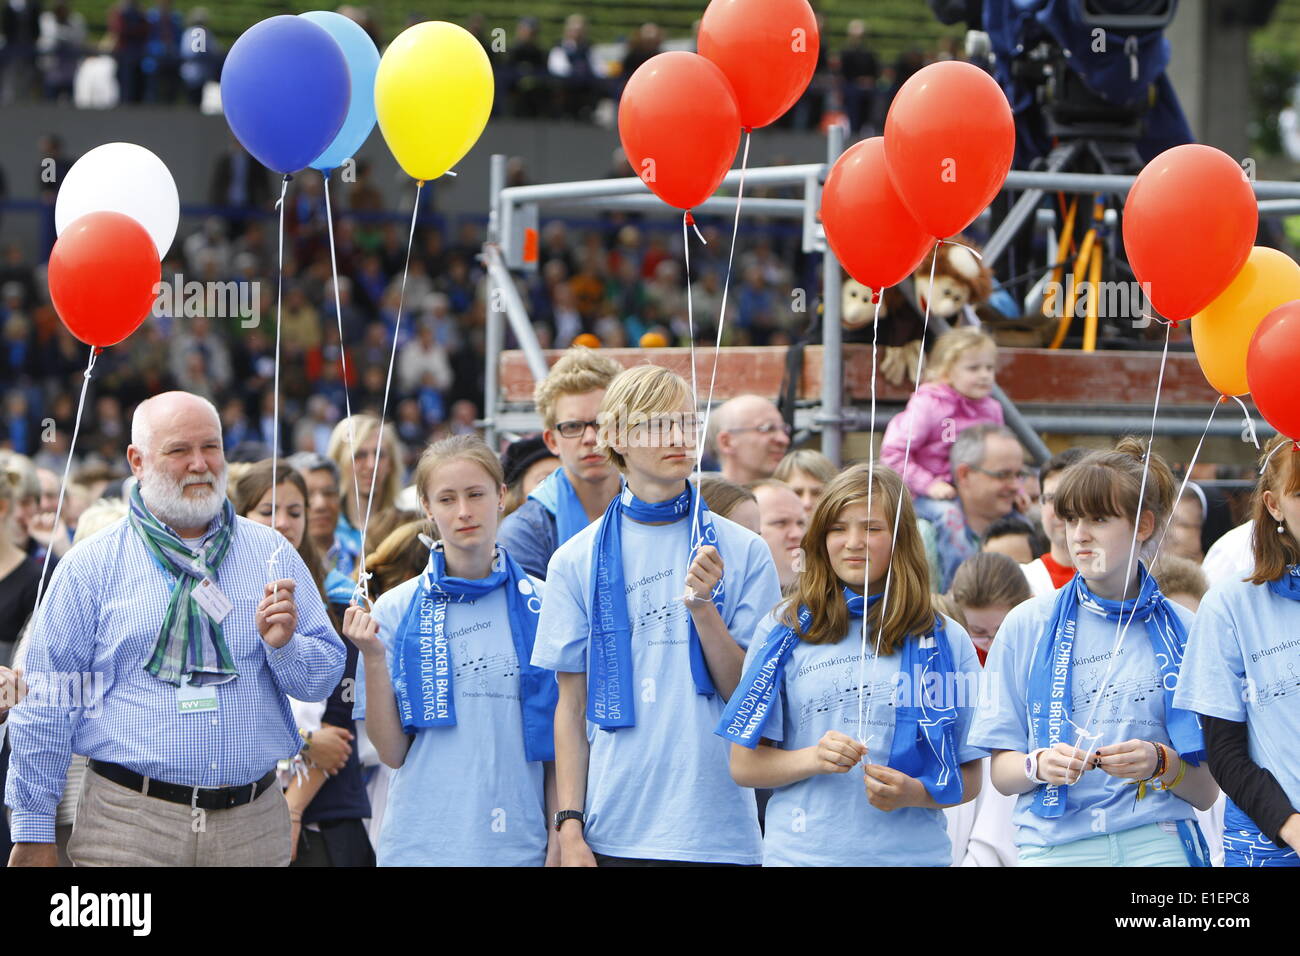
x: 722, y: 312
x: 275, y: 388
x: 907, y: 451
x: 688, y: 220
x: 871, y: 480
x: 972, y: 251
x: 343, y: 355
x: 1269, y: 456
x: 1250, y: 422
x: 67, y: 470
x: 1121, y: 625
x: 362, y: 589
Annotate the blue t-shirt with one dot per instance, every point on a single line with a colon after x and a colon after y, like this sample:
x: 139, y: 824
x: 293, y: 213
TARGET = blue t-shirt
x: 826, y: 820
x: 1243, y: 664
x: 1133, y: 708
x: 661, y: 790
x: 465, y: 795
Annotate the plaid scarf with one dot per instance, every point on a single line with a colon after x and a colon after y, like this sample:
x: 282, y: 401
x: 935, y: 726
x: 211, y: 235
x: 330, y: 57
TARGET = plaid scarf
x: 190, y: 644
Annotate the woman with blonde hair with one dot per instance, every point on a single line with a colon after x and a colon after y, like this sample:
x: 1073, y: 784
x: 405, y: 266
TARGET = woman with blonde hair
x: 380, y: 471
x: 807, y: 472
x: 1080, y: 713
x: 1242, y: 674
x: 795, y: 720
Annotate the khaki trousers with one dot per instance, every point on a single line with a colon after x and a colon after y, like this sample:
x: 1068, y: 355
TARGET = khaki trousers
x: 116, y: 826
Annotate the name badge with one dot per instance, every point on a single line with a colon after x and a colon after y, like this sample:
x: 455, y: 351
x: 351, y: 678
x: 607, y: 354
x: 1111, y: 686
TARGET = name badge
x: 193, y: 700
x: 209, y: 597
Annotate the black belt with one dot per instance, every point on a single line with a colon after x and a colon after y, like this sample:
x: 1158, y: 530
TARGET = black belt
x: 218, y: 798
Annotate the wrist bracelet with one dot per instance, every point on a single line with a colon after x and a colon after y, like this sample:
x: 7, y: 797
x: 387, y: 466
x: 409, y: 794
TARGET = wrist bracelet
x: 1182, y: 772
x: 1162, y: 762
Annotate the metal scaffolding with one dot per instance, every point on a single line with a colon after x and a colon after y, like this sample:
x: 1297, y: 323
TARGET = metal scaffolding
x: 516, y: 209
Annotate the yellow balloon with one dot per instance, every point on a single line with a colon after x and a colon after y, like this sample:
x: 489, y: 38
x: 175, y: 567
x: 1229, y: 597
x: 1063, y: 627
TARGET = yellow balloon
x: 1221, y: 331
x: 433, y: 94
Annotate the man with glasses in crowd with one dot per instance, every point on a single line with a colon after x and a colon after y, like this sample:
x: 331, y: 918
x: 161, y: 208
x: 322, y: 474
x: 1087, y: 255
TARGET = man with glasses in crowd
x: 579, y: 491
x: 988, y: 471
x: 749, y: 438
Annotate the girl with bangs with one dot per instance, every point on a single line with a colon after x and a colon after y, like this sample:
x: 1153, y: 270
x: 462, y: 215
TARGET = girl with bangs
x: 793, y: 720
x: 1103, y: 651
x: 1242, y: 674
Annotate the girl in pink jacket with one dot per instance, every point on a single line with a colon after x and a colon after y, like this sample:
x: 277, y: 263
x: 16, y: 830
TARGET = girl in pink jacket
x: 957, y: 396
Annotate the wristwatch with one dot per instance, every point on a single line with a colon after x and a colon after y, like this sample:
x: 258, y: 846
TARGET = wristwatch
x: 562, y: 815
x: 1031, y: 766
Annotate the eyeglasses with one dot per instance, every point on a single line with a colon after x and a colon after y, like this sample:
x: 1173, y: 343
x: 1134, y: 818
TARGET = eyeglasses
x: 1007, y: 474
x: 575, y: 429
x: 658, y: 431
x: 767, y: 428
x: 662, y: 425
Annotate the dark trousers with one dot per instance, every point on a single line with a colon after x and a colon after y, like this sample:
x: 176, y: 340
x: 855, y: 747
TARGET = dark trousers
x: 337, y: 843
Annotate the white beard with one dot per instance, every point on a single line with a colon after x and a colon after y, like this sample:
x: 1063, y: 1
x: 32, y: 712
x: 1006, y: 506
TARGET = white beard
x: 169, y: 504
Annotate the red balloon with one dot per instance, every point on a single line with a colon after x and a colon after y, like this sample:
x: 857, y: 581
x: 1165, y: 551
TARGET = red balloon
x: 768, y: 50
x: 1271, y: 363
x: 680, y: 126
x: 867, y: 226
x: 1189, y: 224
x: 103, y: 274
x: 949, y: 139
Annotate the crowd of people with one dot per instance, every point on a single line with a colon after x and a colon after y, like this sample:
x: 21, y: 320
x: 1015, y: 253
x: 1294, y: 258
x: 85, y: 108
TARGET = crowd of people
x: 161, y: 55
x: 614, y: 282
x: 571, y: 651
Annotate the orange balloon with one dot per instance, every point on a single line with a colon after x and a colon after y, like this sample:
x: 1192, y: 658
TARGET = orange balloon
x: 1222, y: 330
x: 1189, y: 224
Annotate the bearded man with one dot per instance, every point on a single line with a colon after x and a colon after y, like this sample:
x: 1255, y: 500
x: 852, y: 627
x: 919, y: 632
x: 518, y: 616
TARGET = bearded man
x: 165, y: 652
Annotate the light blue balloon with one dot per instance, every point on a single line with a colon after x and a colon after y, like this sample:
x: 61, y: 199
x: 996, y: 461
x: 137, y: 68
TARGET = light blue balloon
x: 363, y: 63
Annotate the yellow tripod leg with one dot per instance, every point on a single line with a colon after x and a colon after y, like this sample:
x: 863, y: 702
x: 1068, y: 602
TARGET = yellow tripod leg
x: 1094, y: 300
x: 1050, y: 302
x: 1080, y: 267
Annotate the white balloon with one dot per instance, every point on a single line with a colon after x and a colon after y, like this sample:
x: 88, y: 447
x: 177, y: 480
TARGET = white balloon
x: 125, y: 178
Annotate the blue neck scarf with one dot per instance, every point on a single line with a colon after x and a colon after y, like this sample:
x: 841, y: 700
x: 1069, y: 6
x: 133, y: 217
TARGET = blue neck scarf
x: 424, y: 680
x: 1288, y: 585
x: 1051, y: 672
x: 556, y: 495
x: 609, y: 703
x: 924, y: 744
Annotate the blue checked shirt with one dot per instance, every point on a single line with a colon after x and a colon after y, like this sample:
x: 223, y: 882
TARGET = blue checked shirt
x: 91, y: 694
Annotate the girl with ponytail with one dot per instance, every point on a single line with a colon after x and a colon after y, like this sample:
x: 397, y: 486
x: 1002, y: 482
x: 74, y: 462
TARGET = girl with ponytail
x: 1079, y: 711
x: 1242, y: 674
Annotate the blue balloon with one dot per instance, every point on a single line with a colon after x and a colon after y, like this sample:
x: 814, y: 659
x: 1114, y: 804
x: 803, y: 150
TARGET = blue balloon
x: 363, y: 63
x: 285, y: 91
